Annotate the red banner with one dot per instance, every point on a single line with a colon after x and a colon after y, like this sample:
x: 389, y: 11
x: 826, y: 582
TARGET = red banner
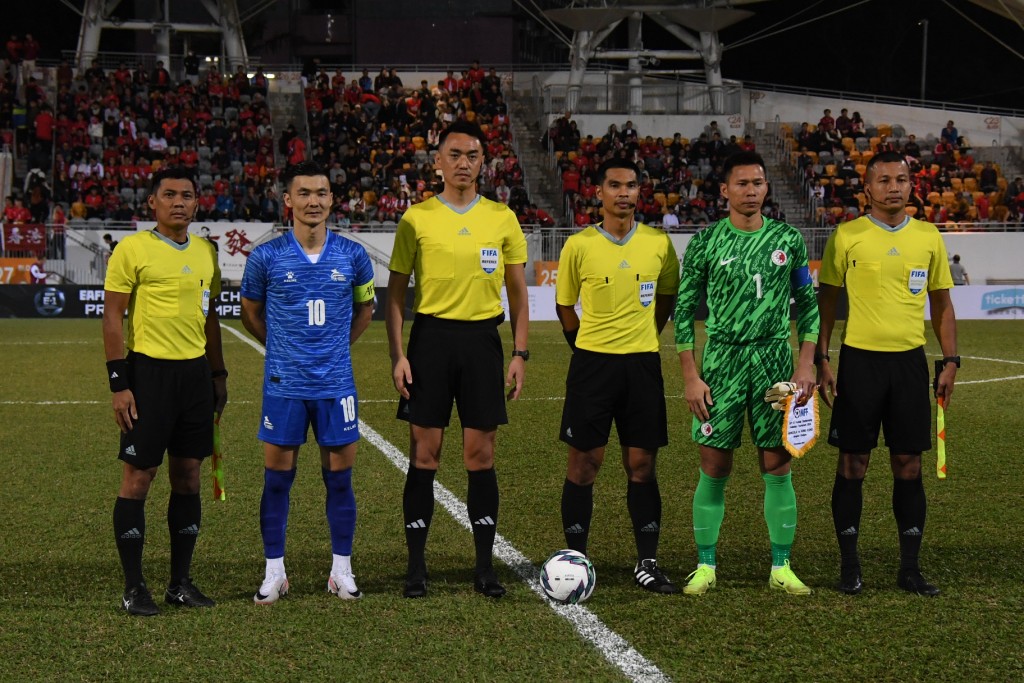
x: 24, y: 238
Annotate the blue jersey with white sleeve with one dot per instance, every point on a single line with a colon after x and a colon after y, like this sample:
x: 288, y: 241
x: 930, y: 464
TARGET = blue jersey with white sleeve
x: 309, y: 308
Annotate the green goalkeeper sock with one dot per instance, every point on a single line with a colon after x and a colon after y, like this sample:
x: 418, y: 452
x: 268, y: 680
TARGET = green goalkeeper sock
x: 708, y: 512
x: 780, y: 514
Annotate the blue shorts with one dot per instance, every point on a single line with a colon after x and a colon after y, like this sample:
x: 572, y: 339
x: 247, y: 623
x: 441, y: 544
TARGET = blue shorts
x: 285, y: 421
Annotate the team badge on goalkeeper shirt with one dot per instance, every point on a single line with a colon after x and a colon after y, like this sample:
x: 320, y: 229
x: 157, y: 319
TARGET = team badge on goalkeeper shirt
x: 489, y: 259
x: 646, y: 293
x: 779, y: 257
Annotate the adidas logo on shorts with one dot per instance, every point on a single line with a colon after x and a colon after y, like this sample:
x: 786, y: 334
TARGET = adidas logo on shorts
x: 130, y: 450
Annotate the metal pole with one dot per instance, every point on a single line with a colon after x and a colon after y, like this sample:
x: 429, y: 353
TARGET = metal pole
x: 924, y: 54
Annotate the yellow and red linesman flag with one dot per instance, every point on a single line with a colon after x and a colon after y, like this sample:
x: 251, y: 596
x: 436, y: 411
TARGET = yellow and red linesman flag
x: 217, y: 462
x: 940, y: 437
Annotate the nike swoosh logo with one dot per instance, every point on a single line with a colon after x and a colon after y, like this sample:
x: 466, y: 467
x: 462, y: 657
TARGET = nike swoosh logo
x: 261, y: 596
x: 727, y: 261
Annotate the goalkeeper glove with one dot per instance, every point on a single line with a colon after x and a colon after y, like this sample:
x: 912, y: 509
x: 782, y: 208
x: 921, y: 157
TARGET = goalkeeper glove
x: 778, y: 393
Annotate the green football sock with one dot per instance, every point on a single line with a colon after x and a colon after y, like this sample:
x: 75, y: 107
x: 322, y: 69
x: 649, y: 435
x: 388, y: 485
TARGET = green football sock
x: 708, y: 512
x: 780, y: 514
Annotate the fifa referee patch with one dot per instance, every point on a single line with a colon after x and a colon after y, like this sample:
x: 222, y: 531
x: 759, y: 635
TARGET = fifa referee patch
x: 800, y: 277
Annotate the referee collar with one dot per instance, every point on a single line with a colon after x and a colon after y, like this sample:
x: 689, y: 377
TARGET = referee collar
x: 463, y: 210
x: 168, y: 240
x: 612, y: 238
x: 890, y: 228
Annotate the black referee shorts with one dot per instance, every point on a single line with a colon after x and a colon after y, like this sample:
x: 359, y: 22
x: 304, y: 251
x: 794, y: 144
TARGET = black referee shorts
x: 460, y: 361
x: 882, y: 389
x: 174, y: 400
x: 627, y: 388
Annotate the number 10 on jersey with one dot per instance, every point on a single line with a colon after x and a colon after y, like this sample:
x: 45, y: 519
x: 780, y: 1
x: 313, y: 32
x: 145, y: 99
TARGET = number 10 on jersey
x: 317, y: 312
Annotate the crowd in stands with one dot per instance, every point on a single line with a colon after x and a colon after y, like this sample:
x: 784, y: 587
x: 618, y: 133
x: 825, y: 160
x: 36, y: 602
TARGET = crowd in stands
x: 681, y: 177
x: 951, y: 188
x: 375, y: 135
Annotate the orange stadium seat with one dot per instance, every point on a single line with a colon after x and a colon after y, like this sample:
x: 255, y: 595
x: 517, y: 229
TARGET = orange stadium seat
x: 911, y: 211
x: 830, y: 170
x: 970, y: 184
x: 949, y: 198
x: 849, y: 145
x: 672, y: 198
x: 661, y: 200
x: 861, y: 170
x: 419, y: 142
x: 885, y: 130
x: 875, y: 142
x: 957, y: 184
x: 934, y: 198
x: 865, y: 157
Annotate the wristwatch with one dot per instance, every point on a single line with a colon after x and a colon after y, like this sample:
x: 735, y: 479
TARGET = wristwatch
x: 524, y: 354
x: 955, y: 360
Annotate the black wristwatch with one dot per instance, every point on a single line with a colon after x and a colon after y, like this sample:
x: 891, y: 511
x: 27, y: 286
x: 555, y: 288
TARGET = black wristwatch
x: 818, y: 357
x: 524, y: 354
x: 955, y: 360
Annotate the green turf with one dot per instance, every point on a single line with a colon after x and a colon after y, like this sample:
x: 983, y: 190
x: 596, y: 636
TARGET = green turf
x: 61, y: 579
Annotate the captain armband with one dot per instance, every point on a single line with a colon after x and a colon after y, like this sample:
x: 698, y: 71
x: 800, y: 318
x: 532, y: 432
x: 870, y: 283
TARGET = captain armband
x: 363, y: 293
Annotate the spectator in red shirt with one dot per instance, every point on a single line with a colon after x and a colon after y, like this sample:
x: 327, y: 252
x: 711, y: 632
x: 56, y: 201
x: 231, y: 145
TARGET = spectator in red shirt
x: 571, y: 180
x: 296, y: 150
x: 476, y: 74
x: 826, y: 122
x: 43, y: 124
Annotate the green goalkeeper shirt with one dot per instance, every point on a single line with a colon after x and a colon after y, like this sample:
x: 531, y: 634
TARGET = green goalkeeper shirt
x: 749, y: 278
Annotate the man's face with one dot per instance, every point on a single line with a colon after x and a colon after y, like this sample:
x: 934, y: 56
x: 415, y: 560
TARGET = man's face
x: 888, y: 186
x: 745, y: 189
x: 174, y: 203
x: 310, y: 199
x: 618, y: 192
x: 459, y: 160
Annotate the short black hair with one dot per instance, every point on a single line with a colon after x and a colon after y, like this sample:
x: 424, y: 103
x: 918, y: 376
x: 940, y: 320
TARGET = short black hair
x: 884, y: 158
x: 172, y: 173
x: 307, y: 168
x: 744, y: 158
x: 466, y: 128
x: 616, y: 162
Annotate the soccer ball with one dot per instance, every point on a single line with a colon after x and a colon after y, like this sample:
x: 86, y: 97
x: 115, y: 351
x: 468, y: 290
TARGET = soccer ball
x: 568, y: 577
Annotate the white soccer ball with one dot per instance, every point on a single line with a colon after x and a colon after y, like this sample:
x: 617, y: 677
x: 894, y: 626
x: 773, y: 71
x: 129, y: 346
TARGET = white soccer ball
x: 568, y: 577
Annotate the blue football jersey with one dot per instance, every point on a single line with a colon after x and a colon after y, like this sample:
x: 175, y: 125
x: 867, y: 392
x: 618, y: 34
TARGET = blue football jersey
x: 309, y: 309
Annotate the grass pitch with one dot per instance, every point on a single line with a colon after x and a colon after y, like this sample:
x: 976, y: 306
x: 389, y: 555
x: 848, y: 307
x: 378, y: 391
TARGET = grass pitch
x: 62, y: 581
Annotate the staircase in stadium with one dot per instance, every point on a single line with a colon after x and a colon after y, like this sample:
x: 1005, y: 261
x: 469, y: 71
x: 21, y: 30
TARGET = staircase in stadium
x: 543, y: 181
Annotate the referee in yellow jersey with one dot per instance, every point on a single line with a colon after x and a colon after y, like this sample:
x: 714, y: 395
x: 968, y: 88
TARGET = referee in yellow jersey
x: 889, y: 263
x: 626, y: 274
x: 461, y: 247
x: 166, y: 280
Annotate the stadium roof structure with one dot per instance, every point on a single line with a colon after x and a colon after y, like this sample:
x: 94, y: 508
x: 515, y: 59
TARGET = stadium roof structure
x: 1011, y: 9
x: 695, y: 24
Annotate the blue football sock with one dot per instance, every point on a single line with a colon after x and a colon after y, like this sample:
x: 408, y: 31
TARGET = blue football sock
x: 277, y: 486
x: 341, y: 510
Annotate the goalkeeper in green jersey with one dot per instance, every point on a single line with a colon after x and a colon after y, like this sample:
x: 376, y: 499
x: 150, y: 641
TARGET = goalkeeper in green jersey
x: 749, y: 266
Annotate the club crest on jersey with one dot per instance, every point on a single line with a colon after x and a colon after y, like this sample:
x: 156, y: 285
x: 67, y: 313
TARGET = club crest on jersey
x: 489, y: 259
x: 779, y: 257
x: 706, y: 429
x: 646, y: 293
x: 917, y: 280
x: 337, y: 275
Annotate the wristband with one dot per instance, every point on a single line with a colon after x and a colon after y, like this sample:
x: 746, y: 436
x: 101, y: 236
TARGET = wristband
x: 818, y: 357
x: 217, y: 374
x: 117, y: 374
x: 570, y: 336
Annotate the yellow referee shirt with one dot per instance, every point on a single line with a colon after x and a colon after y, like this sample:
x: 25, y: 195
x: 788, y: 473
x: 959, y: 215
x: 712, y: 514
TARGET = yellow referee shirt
x: 887, y: 275
x: 617, y: 282
x: 458, y: 256
x: 171, y: 287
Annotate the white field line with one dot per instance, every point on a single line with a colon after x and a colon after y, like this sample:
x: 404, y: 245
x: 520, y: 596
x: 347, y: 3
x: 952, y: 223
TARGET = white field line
x: 611, y: 645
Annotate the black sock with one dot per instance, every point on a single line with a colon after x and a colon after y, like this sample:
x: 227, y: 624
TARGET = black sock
x: 847, y: 502
x: 130, y: 536
x: 909, y: 507
x: 577, y: 510
x: 418, y: 508
x: 482, y: 505
x: 184, y: 515
x: 644, y: 503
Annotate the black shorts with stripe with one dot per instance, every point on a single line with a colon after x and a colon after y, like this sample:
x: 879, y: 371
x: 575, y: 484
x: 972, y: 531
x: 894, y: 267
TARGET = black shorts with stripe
x: 887, y: 390
x: 627, y: 388
x: 174, y: 401
x: 455, y: 361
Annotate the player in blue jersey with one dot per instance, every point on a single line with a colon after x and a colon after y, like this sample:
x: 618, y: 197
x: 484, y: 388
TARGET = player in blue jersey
x: 307, y: 296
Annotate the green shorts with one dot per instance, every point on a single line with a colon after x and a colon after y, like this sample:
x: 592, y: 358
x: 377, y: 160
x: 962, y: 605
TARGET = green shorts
x: 738, y: 376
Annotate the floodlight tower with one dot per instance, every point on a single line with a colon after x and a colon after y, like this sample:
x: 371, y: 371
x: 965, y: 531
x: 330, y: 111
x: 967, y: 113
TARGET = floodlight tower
x: 225, y: 20
x: 695, y: 23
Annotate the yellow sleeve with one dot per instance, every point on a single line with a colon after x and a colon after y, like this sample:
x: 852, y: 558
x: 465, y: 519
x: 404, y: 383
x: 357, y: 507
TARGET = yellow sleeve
x: 833, y: 262
x: 567, y: 286
x: 668, y: 279
x: 939, y: 276
x: 514, y: 249
x: 122, y: 274
x: 403, y: 256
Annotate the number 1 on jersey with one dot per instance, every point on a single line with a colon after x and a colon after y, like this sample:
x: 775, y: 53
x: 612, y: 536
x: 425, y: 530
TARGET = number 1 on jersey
x: 757, y: 283
x: 317, y: 312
